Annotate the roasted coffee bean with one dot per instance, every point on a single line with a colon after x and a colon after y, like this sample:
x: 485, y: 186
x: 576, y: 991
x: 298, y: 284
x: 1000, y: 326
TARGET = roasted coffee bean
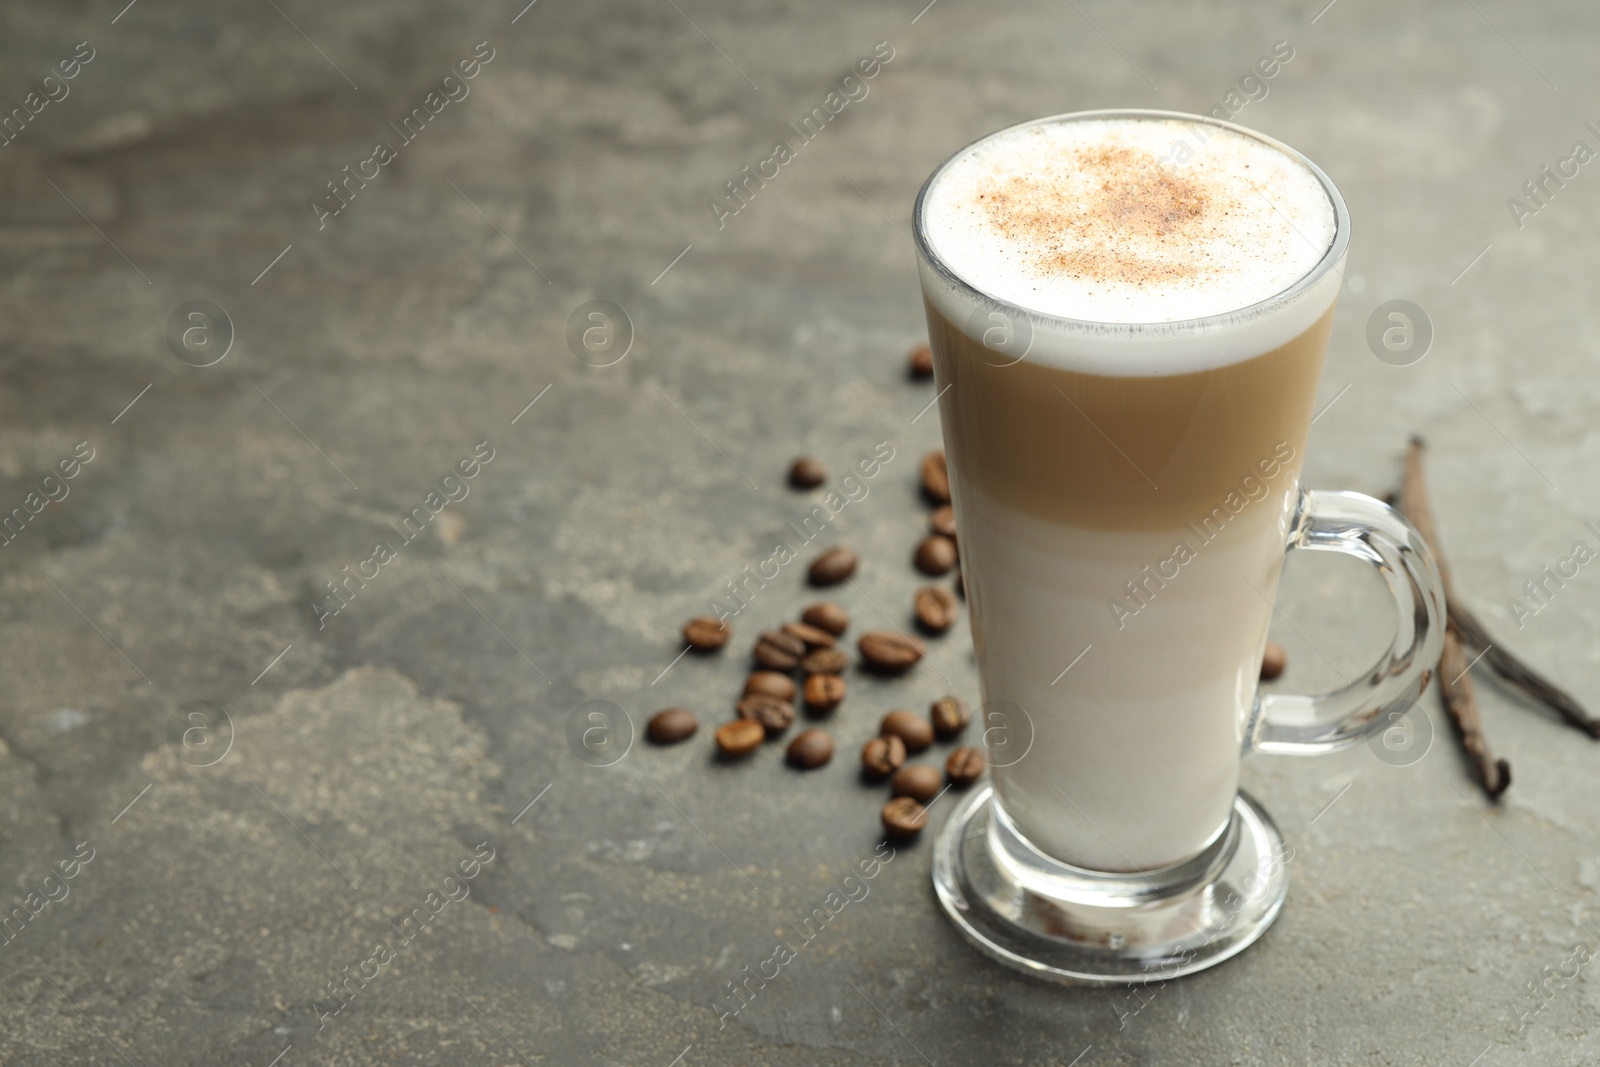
x: 919, y: 362
x: 936, y: 608
x: 936, y: 478
x: 825, y: 661
x: 904, y: 817
x: 739, y: 737
x: 706, y: 634
x: 919, y: 781
x: 936, y: 555
x: 811, y: 748
x: 671, y: 725
x: 774, y: 715
x: 964, y: 766
x: 882, y: 756
x: 909, y: 727
x: 943, y: 521
x: 887, y: 651
x: 824, y: 692
x: 1273, y: 661
x: 770, y: 683
x: 826, y: 616
x: 813, y: 636
x: 950, y: 716
x: 807, y: 473
x: 833, y: 566
x: 779, y: 651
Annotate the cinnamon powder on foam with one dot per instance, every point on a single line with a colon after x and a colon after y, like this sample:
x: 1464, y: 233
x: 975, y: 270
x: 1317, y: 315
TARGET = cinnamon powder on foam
x: 1137, y: 222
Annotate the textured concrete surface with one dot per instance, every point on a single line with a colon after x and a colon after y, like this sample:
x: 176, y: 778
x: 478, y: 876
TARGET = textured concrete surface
x: 242, y: 863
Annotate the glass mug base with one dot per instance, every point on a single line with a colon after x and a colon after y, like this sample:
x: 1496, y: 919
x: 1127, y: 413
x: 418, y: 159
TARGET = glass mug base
x: 1080, y: 927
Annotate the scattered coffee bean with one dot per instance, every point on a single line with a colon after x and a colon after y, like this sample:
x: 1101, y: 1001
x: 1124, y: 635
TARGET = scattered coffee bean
x: 882, y: 756
x: 813, y: 636
x: 919, y: 781
x: 810, y: 749
x: 826, y: 616
x: 833, y: 566
x: 936, y: 608
x: 770, y: 683
x: 919, y: 362
x: 936, y: 555
x: 824, y: 692
x: 706, y: 634
x: 1273, y: 661
x: 911, y: 728
x: 774, y: 715
x: 807, y: 473
x: 779, y: 651
x: 890, y: 652
x: 904, y: 817
x: 950, y: 716
x: 964, y: 766
x: 936, y: 478
x: 943, y: 521
x: 739, y: 737
x: 825, y: 661
x: 671, y: 725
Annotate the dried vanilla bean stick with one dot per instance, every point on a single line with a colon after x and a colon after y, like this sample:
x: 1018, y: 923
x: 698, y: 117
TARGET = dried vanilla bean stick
x: 1413, y: 503
x: 1455, y: 683
x: 1505, y: 663
x: 1521, y: 676
x: 1461, y: 701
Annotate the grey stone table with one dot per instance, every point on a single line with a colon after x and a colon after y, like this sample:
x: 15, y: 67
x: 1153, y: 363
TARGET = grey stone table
x: 343, y: 774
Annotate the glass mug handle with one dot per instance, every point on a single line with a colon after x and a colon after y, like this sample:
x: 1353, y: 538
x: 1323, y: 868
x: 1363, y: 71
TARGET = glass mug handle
x: 1357, y: 525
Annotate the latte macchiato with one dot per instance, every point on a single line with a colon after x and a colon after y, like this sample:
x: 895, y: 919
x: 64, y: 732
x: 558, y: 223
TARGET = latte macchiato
x: 1128, y: 313
x: 1128, y: 322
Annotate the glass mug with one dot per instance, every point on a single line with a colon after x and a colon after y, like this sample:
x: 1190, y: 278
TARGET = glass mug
x: 1121, y: 538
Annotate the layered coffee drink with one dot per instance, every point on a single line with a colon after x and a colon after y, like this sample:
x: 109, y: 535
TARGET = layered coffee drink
x: 1128, y: 318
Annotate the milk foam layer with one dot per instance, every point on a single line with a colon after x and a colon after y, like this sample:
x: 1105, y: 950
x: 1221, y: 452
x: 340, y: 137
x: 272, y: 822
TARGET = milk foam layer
x: 1109, y: 222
